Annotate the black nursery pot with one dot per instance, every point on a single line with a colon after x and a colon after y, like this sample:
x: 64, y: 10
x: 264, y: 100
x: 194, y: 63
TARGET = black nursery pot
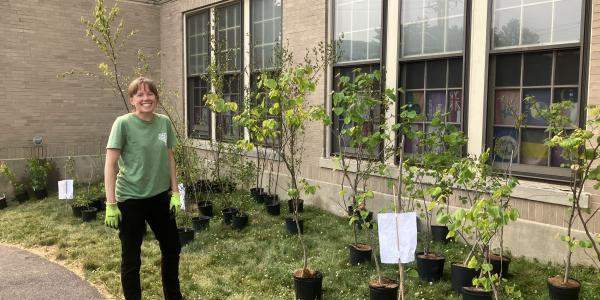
x: 257, y: 194
x: 309, y: 288
x: 40, y: 194
x: 77, y: 211
x: 22, y: 197
x: 461, y: 276
x: 382, y: 292
x: 89, y: 214
x: 359, y: 254
x: 200, y: 223
x: 563, y: 292
x: 186, y: 235
x: 228, y: 214
x: 206, y: 208
x: 3, y: 203
x: 291, y: 206
x: 100, y: 203
x: 291, y: 227
x: 439, y: 233
x: 499, y: 264
x: 430, y: 269
x: 239, y: 221
x: 471, y: 293
x: 273, y: 208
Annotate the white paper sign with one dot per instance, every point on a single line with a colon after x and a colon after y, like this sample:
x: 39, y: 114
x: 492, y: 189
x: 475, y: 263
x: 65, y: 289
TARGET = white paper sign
x: 65, y: 189
x: 397, y: 237
x: 181, y: 189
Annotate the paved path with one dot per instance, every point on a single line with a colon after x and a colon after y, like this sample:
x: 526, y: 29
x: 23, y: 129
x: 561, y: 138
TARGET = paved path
x: 24, y: 276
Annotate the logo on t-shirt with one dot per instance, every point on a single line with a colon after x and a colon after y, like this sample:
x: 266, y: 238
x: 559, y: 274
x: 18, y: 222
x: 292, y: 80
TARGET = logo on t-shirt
x: 163, y: 137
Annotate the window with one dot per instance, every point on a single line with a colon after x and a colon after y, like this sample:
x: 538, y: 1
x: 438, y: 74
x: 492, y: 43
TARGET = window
x: 431, y: 62
x: 229, y: 54
x: 536, y: 52
x: 265, y: 33
x: 265, y: 39
x: 357, y: 26
x: 198, y: 58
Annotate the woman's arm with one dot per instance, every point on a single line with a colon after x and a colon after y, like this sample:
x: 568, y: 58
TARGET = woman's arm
x: 110, y: 174
x: 174, y: 187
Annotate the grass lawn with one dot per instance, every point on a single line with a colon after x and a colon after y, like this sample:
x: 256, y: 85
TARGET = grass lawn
x: 255, y: 263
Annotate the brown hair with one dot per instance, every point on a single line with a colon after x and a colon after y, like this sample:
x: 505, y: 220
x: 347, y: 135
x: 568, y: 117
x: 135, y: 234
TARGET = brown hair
x: 135, y: 85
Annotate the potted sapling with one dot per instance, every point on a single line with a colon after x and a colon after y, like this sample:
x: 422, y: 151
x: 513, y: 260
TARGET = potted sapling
x: 358, y: 112
x: 428, y: 182
x: 289, y: 93
x: 20, y: 190
x: 579, y: 151
x: 38, y: 169
x: 184, y: 226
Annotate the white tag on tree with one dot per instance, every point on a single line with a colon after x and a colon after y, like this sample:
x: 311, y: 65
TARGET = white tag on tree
x: 397, y: 237
x: 181, y: 189
x: 65, y: 189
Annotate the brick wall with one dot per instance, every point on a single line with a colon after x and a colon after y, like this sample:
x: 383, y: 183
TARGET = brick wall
x: 41, y: 39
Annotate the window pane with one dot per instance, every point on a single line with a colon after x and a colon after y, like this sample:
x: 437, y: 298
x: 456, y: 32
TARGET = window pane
x: 414, y: 101
x: 533, y: 150
x: 435, y: 103
x: 454, y: 35
x: 359, y: 45
x: 537, y: 22
x: 506, y: 27
x: 375, y: 44
x: 567, y: 21
x: 541, y: 97
x: 360, y: 15
x: 538, y: 69
x: 268, y: 9
x: 568, y: 94
x: 507, y: 3
x: 412, y: 39
x: 567, y: 68
x: 358, y: 24
x: 412, y: 145
x: 436, y: 74
x: 456, y: 7
x: 434, y: 8
x: 268, y: 32
x: 412, y: 11
x: 415, y: 74
x: 455, y: 106
x: 434, y: 36
x: 506, y: 106
x: 455, y: 75
x: 505, y: 143
x: 508, y: 70
x: 257, y: 57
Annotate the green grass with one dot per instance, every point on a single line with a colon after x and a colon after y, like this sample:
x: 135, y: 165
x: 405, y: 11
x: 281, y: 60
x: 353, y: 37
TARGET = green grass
x: 255, y: 263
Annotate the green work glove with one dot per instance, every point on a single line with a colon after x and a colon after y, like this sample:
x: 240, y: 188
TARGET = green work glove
x: 113, y: 215
x: 174, y: 205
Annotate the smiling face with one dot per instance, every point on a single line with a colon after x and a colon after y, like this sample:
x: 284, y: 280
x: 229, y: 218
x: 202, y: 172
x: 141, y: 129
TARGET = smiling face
x: 144, y: 100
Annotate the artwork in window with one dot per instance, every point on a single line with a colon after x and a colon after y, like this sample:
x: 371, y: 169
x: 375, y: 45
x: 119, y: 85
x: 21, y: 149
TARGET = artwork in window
x: 412, y: 145
x: 542, y: 98
x: 568, y: 94
x: 455, y: 106
x: 414, y: 101
x: 533, y: 150
x: 505, y: 143
x: 436, y: 101
x: 506, y: 106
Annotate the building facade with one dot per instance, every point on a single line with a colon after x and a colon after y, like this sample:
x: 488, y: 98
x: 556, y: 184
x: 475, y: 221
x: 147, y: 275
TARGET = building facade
x: 475, y: 59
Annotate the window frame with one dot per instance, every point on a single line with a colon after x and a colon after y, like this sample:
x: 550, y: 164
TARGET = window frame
x: 536, y: 172
x: 358, y: 64
x: 464, y: 55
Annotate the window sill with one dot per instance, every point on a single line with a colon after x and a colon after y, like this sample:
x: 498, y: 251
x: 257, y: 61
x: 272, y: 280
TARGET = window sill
x: 528, y: 190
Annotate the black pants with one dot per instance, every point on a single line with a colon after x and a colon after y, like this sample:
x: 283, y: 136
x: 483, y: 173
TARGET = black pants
x: 135, y: 213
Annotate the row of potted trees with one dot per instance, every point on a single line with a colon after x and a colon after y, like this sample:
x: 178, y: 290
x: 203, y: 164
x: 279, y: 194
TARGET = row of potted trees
x: 37, y: 170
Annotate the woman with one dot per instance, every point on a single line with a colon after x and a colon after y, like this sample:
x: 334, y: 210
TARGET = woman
x: 145, y: 188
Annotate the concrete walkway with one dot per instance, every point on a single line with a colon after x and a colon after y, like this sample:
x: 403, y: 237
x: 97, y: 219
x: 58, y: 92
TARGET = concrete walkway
x: 24, y: 275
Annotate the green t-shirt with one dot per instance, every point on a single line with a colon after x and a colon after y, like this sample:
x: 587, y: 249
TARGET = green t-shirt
x: 144, y: 168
